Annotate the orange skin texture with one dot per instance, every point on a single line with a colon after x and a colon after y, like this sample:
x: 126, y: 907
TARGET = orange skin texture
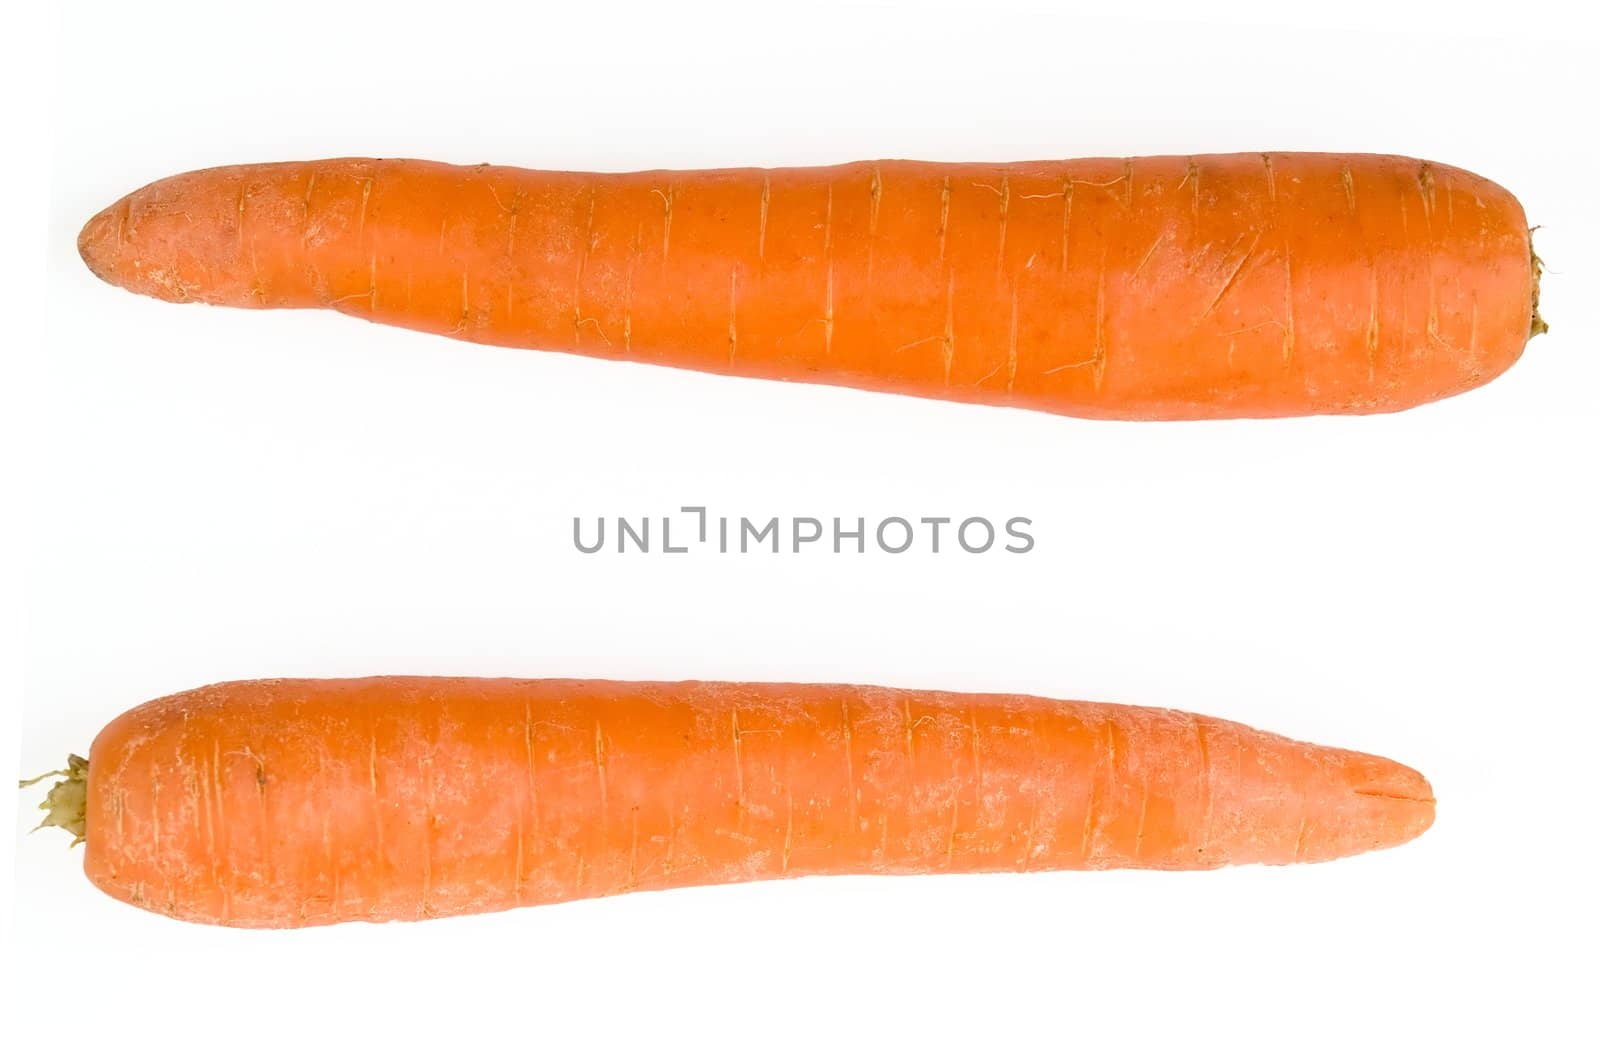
x: 1213, y: 286
x: 289, y: 803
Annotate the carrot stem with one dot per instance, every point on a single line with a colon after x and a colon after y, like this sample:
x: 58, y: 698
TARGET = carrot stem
x: 65, y: 802
x: 1538, y: 326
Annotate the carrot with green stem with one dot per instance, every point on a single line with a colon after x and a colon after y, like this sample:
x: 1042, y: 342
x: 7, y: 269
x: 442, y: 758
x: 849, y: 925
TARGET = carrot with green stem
x: 301, y: 802
x: 1210, y: 286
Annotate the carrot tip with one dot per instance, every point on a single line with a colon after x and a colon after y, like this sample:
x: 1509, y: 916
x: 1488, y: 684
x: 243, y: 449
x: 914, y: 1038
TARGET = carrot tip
x: 96, y: 244
x: 65, y: 803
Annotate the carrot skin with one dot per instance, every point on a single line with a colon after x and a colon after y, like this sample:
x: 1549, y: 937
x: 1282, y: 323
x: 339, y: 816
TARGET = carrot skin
x: 304, y: 802
x: 1215, y: 286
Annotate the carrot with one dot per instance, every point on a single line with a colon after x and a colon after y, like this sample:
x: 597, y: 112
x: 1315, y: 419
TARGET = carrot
x: 1148, y: 288
x: 302, y: 802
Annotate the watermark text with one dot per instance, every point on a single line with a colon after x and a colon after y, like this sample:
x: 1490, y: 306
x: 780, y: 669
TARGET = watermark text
x: 695, y: 529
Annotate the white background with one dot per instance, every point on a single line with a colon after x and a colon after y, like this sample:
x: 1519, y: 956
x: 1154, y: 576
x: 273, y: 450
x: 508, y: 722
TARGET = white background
x: 212, y: 494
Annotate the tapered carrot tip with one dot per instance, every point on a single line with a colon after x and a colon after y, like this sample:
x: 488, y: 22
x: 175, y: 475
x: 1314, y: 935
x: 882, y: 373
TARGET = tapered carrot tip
x: 158, y: 264
x: 1386, y: 804
x: 179, y: 240
x: 97, y: 243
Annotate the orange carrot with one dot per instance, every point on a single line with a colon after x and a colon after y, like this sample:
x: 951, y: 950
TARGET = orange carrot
x: 298, y: 802
x: 1148, y: 288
